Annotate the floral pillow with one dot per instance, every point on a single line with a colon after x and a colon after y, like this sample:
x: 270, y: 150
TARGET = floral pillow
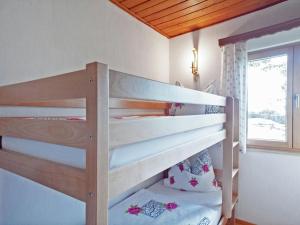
x: 197, y: 175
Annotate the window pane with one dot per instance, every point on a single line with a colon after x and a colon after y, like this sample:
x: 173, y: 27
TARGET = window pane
x: 267, y: 98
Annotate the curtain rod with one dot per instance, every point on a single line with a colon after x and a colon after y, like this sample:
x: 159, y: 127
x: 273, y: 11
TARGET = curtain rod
x: 260, y: 32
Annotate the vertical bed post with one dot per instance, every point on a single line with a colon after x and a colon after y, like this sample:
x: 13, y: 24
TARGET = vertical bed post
x: 228, y: 159
x: 97, y: 168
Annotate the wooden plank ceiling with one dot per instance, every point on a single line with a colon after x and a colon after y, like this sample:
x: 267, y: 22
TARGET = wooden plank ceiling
x: 174, y: 17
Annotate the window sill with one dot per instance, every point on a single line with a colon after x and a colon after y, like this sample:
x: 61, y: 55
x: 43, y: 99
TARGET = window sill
x: 273, y: 149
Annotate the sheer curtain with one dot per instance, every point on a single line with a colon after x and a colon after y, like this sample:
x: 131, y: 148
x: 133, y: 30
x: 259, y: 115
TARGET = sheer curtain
x: 234, y: 82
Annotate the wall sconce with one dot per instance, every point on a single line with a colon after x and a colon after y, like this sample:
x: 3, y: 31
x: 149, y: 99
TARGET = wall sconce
x: 195, y: 65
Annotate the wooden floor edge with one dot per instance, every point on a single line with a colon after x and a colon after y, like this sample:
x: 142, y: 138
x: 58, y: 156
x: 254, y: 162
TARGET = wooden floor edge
x: 243, y: 222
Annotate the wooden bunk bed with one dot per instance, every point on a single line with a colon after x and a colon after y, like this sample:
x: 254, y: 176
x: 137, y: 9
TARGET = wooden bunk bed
x: 103, y: 92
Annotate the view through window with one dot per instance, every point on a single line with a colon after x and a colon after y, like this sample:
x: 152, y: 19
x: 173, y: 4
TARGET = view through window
x: 267, y: 98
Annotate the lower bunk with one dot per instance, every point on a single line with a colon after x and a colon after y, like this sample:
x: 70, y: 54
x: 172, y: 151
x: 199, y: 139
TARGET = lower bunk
x: 159, y: 205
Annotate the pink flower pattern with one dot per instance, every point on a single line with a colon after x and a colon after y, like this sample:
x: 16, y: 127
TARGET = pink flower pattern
x: 134, y: 210
x: 172, y: 180
x: 179, y: 105
x: 194, y: 182
x: 170, y: 206
x: 205, y: 168
x: 181, y: 167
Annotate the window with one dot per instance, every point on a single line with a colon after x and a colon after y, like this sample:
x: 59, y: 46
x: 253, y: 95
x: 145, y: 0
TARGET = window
x: 269, y: 98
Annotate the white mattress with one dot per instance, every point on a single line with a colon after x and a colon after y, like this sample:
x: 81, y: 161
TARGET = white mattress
x: 118, y: 156
x: 75, y: 156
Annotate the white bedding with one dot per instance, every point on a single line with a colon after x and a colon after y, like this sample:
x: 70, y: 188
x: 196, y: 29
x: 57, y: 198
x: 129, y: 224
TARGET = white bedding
x: 212, y: 199
x: 118, y: 156
x: 151, y: 206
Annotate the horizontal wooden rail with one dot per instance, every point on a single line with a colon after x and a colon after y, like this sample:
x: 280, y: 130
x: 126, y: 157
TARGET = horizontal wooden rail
x: 63, y: 132
x: 130, y: 113
x: 66, y: 103
x: 141, y: 170
x: 72, y: 85
x: 69, y: 180
x: 127, y: 104
x: 126, y: 86
x: 134, y: 130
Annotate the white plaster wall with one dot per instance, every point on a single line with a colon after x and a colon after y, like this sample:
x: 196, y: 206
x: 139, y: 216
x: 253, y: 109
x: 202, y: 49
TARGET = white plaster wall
x: 269, y: 193
x: 41, y: 38
x: 44, y: 38
x: 269, y: 188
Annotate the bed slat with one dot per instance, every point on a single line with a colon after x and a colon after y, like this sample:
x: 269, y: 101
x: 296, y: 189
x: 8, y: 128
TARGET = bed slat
x: 125, y: 177
x: 66, y: 103
x: 134, y: 130
x: 68, y: 133
x: 119, y: 113
x: 123, y: 85
x: 67, y: 86
x: 66, y: 179
x: 126, y: 104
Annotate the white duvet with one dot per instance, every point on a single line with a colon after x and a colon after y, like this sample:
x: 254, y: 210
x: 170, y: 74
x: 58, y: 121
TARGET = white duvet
x: 148, y: 208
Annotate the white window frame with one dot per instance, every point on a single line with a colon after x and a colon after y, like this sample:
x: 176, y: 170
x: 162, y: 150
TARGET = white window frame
x: 289, y: 108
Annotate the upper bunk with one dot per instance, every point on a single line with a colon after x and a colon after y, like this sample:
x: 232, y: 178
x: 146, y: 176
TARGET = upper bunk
x: 119, y: 110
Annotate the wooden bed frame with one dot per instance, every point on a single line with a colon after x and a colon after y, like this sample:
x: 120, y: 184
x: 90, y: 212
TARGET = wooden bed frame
x: 102, y: 91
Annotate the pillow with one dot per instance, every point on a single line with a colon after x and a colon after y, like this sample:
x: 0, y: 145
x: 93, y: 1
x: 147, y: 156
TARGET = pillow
x: 196, y: 176
x: 201, y: 163
x: 212, y: 89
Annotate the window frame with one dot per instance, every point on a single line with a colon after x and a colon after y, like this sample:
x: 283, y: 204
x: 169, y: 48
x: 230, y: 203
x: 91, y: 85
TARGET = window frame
x: 268, y: 144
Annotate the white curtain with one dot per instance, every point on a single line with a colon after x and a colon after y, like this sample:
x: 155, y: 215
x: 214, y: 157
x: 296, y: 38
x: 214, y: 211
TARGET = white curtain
x: 234, y: 82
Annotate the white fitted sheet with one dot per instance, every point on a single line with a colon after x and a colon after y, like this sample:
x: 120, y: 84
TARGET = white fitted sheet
x: 212, y: 199
x: 118, y: 156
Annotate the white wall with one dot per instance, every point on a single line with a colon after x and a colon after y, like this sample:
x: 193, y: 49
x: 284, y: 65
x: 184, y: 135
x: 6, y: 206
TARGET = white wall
x: 268, y: 181
x: 43, y: 38
x: 269, y: 188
